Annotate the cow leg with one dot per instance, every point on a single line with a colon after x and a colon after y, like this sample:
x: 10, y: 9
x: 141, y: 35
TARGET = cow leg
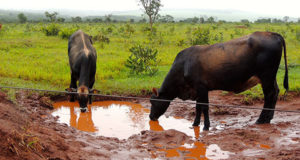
x: 73, y: 85
x: 270, y: 89
x: 202, y: 98
x: 90, y: 87
x: 198, y: 115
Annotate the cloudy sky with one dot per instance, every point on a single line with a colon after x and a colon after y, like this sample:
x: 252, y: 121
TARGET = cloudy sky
x: 269, y: 7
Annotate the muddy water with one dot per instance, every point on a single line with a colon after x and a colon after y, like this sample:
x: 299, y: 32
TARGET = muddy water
x: 116, y: 119
x: 123, y: 119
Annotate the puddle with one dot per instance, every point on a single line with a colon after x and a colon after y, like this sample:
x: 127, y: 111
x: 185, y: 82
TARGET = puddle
x: 197, y: 150
x: 116, y: 119
x: 123, y: 119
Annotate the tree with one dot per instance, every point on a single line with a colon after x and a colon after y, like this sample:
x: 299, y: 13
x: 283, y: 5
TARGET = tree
x: 22, y: 18
x: 143, y: 20
x: 97, y: 20
x: 201, y: 20
x: 61, y: 19
x: 210, y: 20
x: 51, y: 16
x: 245, y: 21
x: 151, y: 9
x: 76, y: 19
x: 275, y: 20
x: 263, y: 20
x: 108, y: 18
x: 166, y: 19
x: 298, y: 20
x: 286, y: 18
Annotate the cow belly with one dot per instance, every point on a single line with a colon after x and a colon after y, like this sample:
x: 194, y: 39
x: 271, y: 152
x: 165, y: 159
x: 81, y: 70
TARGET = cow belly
x: 251, y: 82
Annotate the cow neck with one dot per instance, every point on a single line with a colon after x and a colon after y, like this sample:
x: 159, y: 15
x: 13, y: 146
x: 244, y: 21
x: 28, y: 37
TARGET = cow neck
x: 85, y: 70
x: 166, y: 95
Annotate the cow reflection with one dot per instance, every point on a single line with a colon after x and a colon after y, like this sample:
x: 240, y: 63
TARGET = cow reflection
x: 84, y: 122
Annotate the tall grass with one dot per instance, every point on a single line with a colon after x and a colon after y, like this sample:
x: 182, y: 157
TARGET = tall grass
x: 27, y: 54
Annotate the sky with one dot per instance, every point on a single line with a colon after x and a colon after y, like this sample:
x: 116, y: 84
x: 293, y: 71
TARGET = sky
x: 268, y: 7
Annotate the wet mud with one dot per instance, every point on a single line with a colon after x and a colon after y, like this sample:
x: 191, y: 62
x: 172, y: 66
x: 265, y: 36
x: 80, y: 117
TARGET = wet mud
x: 30, y: 129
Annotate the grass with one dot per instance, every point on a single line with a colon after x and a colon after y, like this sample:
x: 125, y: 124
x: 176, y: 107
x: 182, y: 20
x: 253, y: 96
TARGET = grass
x: 29, y: 58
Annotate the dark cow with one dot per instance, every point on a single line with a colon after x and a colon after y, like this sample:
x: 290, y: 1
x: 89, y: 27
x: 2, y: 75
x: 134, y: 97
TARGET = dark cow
x: 0, y: 26
x: 236, y: 66
x: 82, y: 59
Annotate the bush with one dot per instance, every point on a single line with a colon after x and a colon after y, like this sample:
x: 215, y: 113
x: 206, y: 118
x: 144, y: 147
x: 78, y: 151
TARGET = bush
x: 51, y: 30
x: 127, y: 31
x: 200, y: 36
x: 180, y: 43
x: 219, y: 37
x: 147, y: 29
x: 65, y: 33
x: 109, y: 30
x: 143, y: 60
x: 298, y: 34
x: 100, y: 37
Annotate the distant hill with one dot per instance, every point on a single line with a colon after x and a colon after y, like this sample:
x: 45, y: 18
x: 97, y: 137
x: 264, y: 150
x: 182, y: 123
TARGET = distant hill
x: 178, y: 14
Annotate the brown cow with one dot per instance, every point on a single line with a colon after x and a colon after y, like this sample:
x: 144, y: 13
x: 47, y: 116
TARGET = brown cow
x: 234, y: 66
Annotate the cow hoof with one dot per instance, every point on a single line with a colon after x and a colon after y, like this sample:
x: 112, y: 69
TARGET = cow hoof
x: 195, y: 124
x: 72, y: 99
x: 259, y: 121
x: 205, y: 128
x: 83, y: 109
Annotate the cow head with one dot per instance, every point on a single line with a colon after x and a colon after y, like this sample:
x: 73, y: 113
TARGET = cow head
x: 82, y: 96
x: 158, y: 108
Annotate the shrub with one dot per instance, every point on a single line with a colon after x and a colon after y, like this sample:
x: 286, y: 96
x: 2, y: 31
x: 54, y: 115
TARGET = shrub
x: 100, y: 37
x: 180, y: 43
x: 65, y: 33
x: 51, y: 30
x: 282, y: 32
x: 143, y: 60
x: 200, y: 36
x: 298, y: 34
x: 219, y: 37
x: 109, y: 30
x: 147, y: 30
x: 127, y: 31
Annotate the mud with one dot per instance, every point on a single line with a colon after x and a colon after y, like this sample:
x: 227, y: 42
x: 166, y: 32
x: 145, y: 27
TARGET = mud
x: 28, y: 130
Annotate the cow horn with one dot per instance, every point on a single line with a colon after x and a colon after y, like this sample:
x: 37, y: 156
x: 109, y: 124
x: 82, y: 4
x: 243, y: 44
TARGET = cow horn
x: 154, y: 90
x: 71, y: 89
x: 94, y: 91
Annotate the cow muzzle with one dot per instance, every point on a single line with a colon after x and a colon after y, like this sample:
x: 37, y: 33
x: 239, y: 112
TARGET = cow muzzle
x: 83, y: 109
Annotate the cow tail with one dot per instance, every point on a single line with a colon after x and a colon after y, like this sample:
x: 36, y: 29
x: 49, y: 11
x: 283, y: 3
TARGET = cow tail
x: 286, y: 77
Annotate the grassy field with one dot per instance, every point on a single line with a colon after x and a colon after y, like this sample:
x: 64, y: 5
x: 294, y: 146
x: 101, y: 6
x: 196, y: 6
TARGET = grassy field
x: 29, y: 58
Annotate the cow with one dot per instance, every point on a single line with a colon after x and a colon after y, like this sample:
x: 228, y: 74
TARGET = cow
x: 0, y: 26
x: 82, y: 60
x: 235, y: 66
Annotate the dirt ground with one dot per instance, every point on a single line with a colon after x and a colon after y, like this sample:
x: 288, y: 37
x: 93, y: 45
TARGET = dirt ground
x: 29, y: 131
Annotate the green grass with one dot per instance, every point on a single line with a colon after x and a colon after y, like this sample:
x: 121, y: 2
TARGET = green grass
x: 29, y: 58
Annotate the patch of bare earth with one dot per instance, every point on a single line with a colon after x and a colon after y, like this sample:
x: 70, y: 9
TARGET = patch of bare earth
x: 29, y: 131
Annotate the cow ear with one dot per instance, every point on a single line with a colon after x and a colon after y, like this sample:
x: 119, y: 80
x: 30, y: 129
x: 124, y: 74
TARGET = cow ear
x: 94, y: 91
x: 154, y: 90
x: 91, y: 39
x: 71, y: 89
x: 68, y: 89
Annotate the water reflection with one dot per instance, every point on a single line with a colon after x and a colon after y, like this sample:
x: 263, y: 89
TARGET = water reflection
x: 115, y: 119
x: 123, y: 119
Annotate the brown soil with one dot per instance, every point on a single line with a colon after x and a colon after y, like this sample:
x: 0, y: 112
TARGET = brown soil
x: 29, y: 131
